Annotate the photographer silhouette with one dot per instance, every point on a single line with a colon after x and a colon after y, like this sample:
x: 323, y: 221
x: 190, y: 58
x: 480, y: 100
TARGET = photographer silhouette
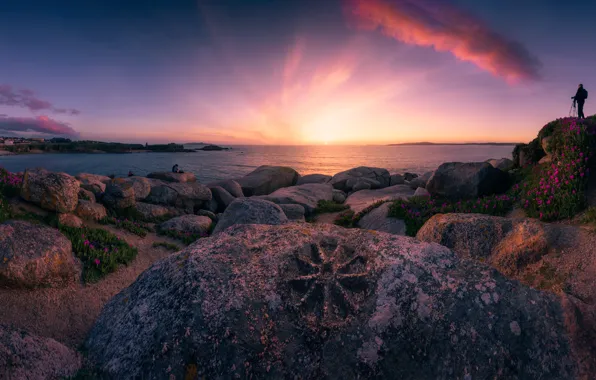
x: 580, y: 98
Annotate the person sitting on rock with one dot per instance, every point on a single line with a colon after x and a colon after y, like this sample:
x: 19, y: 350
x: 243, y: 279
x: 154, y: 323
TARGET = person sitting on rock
x: 130, y: 173
x: 580, y: 98
x: 175, y: 169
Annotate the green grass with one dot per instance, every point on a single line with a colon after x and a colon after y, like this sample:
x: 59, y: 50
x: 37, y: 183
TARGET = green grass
x: 166, y: 245
x: 100, y: 251
x: 590, y: 216
x: 350, y: 219
x: 138, y: 228
x: 325, y: 207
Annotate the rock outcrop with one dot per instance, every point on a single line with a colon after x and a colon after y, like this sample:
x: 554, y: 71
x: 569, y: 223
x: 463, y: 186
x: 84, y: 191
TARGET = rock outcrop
x: 86, y: 195
x: 313, y: 178
x: 185, y: 196
x: 307, y: 196
x: 26, y: 357
x: 379, y: 220
x: 295, y: 213
x: 421, y: 192
x: 456, y: 180
x: 173, y: 177
x: 222, y: 197
x: 51, y: 191
x: 375, y: 177
x: 230, y: 186
x: 141, y: 187
x: 339, y: 196
x: 396, y: 179
x: 70, y: 220
x: 33, y: 255
x: 151, y: 212
x: 507, y: 244
x: 90, y: 211
x: 93, y: 182
x: 119, y: 194
x: 305, y: 302
x: 360, y: 200
x: 266, y: 179
x: 192, y: 224
x: 250, y: 211
x: 503, y: 164
x: 420, y: 181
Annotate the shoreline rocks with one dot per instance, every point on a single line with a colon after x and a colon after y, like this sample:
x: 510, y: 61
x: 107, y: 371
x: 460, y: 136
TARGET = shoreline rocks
x: 360, y: 200
x: 360, y: 177
x: 173, y: 177
x: 266, y: 179
x: 456, y: 180
x: 250, y: 211
x: 51, y: 191
x: 307, y: 195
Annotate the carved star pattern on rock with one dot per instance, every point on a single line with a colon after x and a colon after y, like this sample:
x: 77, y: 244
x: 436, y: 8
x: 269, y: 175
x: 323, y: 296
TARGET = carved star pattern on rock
x: 330, y: 279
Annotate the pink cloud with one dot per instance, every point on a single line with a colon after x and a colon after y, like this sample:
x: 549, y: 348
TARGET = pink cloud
x: 440, y: 25
x: 27, y: 99
x: 41, y: 124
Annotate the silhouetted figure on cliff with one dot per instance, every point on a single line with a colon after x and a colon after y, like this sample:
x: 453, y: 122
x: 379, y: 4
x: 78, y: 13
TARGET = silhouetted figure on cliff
x: 580, y: 98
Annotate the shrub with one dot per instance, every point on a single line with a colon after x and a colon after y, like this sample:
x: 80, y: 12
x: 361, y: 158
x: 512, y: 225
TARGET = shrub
x: 5, y: 210
x: 138, y: 228
x: 10, y: 183
x: 100, y: 251
x: 557, y: 190
x: 418, y: 210
x: 324, y: 207
x: 166, y: 245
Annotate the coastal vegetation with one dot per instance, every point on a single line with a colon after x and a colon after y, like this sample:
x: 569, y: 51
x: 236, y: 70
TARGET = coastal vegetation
x: 93, y: 147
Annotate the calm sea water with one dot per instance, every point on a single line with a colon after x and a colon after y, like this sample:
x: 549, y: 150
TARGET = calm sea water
x: 208, y: 166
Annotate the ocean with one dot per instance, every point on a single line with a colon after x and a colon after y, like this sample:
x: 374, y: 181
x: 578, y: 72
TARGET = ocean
x: 210, y: 166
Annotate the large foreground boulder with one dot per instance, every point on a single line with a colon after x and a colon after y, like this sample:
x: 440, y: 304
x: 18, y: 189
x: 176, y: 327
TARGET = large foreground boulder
x: 173, y: 177
x: 307, y: 196
x: 93, y: 182
x: 379, y: 220
x: 313, y: 178
x: 33, y: 255
x: 90, y: 211
x: 375, y: 177
x: 360, y: 200
x: 230, y: 186
x: 266, y: 179
x: 186, y: 196
x: 52, y: 191
x: 191, y: 224
x: 322, y: 302
x: 456, y: 180
x: 250, y: 211
x: 507, y: 244
x: 27, y: 357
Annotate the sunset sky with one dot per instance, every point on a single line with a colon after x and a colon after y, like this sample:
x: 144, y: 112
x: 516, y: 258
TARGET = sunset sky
x: 292, y: 71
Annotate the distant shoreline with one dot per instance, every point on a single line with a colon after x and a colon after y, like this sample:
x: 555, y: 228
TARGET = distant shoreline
x: 430, y: 143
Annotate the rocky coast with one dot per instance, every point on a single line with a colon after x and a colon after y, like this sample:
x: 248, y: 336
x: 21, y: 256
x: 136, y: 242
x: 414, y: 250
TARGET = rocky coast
x: 465, y: 272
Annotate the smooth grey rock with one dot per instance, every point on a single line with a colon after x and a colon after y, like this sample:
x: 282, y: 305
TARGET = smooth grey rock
x: 420, y: 181
x: 421, y: 192
x: 456, y: 180
x: 250, y: 211
x: 396, y: 179
x: 345, y: 180
x: 379, y: 220
x: 185, y: 196
x: 222, y: 197
x: 503, y: 164
x: 339, y: 196
x: 360, y: 200
x: 313, y: 178
x: 266, y: 179
x: 294, y: 212
x: 308, y: 195
x: 230, y: 186
x: 192, y: 224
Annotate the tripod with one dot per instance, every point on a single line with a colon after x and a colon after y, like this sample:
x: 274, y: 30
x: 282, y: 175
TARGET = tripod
x: 573, y: 109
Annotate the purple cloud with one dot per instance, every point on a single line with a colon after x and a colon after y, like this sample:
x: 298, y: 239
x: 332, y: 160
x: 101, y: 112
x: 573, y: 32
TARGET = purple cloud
x: 27, y: 99
x: 41, y: 124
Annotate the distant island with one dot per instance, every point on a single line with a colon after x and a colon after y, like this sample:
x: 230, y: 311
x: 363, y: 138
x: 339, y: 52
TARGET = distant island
x: 213, y: 148
x: 27, y: 146
x: 431, y: 143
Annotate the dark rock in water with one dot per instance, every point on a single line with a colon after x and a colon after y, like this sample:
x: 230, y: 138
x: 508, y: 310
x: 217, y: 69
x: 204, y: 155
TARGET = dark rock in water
x: 456, y: 180
x: 266, y: 179
x: 230, y: 186
x: 250, y: 211
x: 213, y: 148
x: 294, y: 213
x: 26, y: 357
x: 51, y: 191
x: 322, y: 302
x: 33, y: 255
x: 222, y: 197
x: 173, y: 177
x: 313, y: 178
x: 410, y: 176
x: 376, y: 177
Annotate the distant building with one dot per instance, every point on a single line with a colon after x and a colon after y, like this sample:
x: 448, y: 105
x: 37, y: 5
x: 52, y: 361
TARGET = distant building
x: 8, y: 142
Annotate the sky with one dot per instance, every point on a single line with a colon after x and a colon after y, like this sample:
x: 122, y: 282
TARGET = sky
x: 292, y: 72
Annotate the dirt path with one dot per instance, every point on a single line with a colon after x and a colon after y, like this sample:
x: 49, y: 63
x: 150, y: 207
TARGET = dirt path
x: 68, y: 314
